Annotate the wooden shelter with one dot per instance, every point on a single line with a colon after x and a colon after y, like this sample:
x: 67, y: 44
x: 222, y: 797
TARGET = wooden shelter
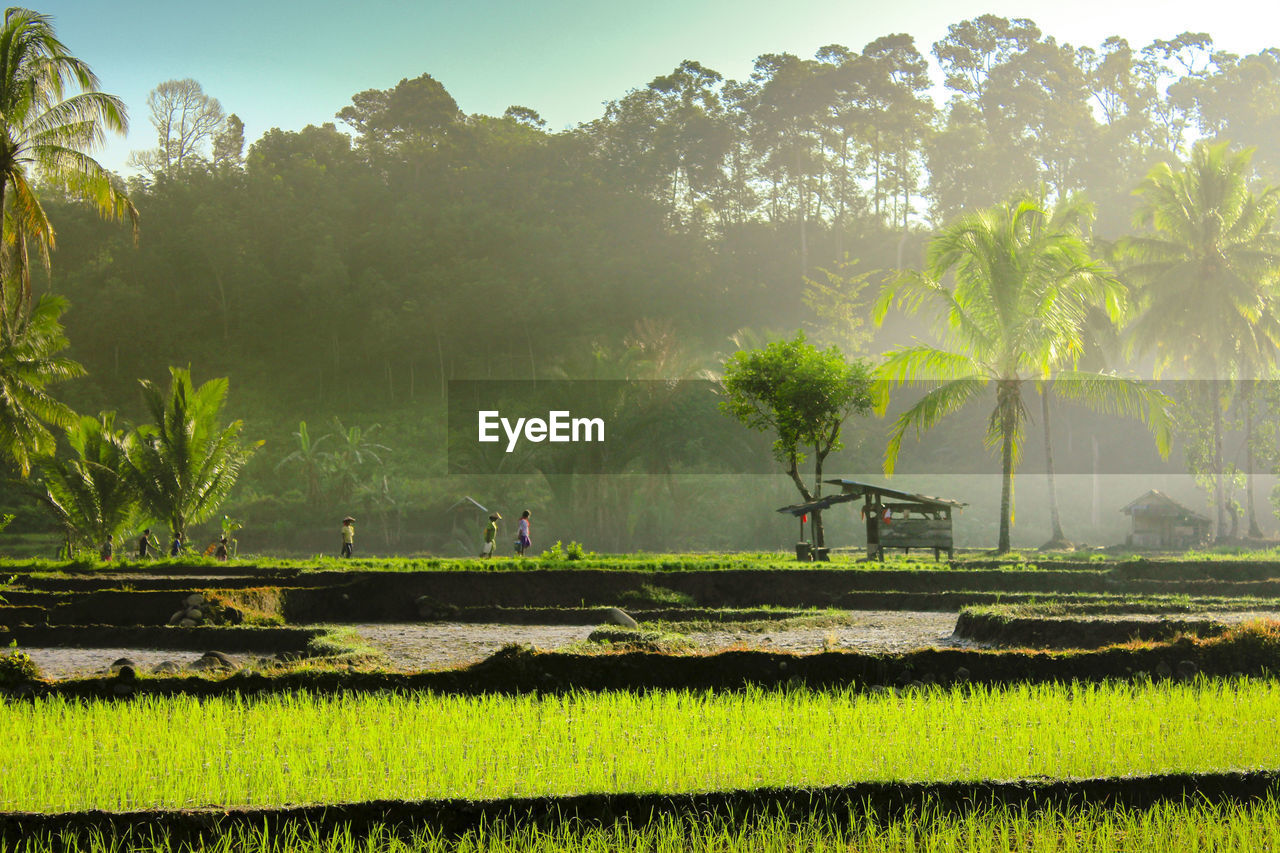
x: 894, y: 519
x: 1159, y: 522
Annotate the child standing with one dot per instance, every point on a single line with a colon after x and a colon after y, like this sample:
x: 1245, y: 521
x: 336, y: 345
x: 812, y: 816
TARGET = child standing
x: 522, y: 534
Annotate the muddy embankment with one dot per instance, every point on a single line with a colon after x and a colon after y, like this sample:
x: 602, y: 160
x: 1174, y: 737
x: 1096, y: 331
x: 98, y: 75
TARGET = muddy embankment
x: 516, y: 670
x: 330, y: 596
x: 244, y: 638
x: 452, y: 818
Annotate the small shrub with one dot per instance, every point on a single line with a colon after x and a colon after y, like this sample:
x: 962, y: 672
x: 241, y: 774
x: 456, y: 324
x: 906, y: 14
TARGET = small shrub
x: 17, y: 667
x: 653, y: 594
x: 618, y: 638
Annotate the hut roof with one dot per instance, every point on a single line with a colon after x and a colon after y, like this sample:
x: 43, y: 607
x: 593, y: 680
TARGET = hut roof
x: 467, y: 503
x: 1156, y: 502
x: 851, y: 490
x: 820, y: 503
x: 857, y: 490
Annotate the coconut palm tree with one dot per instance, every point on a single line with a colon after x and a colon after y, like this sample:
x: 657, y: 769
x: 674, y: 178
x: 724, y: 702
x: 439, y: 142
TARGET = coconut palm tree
x: 185, y: 461
x: 90, y: 494
x: 29, y: 363
x: 1206, y: 276
x: 1023, y: 281
x: 45, y: 131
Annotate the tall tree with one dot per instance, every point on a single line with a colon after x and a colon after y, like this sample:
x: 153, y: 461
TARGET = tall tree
x: 1023, y: 276
x: 186, y: 460
x: 1206, y: 272
x: 786, y: 134
x: 228, y: 142
x: 43, y: 129
x: 803, y: 396
x: 186, y: 121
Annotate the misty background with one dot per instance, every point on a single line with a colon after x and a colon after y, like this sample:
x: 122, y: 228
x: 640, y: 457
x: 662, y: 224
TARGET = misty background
x: 345, y: 273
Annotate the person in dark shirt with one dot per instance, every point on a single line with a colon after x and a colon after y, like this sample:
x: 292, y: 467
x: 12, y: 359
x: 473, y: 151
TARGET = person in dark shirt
x: 175, y: 547
x: 146, y: 542
x: 107, y: 551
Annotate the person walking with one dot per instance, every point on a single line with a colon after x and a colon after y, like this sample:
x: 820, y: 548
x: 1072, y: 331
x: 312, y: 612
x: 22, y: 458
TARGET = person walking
x: 175, y: 547
x: 348, y: 535
x: 490, y: 535
x: 522, y: 534
x: 146, y: 543
x: 107, y: 550
x: 220, y: 553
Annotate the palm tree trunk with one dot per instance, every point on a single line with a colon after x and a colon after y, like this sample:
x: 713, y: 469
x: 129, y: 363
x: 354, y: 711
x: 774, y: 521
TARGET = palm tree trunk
x: 1006, y: 491
x: 1055, y: 520
x: 1219, y: 496
x: 1255, y: 531
x: 1006, y: 400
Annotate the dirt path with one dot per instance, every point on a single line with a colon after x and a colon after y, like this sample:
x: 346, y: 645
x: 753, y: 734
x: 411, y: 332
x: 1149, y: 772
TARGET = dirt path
x: 415, y: 646
x: 423, y: 646
x: 60, y: 663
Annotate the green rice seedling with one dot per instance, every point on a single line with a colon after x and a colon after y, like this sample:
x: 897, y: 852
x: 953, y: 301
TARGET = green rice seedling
x: 301, y: 748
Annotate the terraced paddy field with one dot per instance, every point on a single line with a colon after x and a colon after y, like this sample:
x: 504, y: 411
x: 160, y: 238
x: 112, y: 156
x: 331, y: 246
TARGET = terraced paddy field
x: 991, y: 707
x: 297, y: 749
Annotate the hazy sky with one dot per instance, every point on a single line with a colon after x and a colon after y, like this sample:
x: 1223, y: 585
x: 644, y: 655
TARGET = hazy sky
x: 278, y: 63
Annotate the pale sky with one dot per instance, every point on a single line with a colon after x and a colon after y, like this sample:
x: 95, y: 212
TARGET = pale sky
x: 280, y: 63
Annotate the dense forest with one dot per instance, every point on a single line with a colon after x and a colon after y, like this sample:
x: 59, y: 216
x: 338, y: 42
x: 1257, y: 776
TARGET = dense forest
x: 343, y: 274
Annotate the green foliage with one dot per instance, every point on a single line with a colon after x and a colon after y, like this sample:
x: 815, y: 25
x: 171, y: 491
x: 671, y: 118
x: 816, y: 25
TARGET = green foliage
x: 17, y: 667
x: 29, y: 343
x: 653, y: 594
x: 309, y: 458
x: 840, y: 302
x: 560, y: 552
x: 1205, y: 274
x: 1024, y: 280
x: 803, y: 396
x: 1203, y: 266
x: 800, y: 393
x: 47, y: 134
x: 90, y: 494
x: 185, y: 461
x: 618, y: 639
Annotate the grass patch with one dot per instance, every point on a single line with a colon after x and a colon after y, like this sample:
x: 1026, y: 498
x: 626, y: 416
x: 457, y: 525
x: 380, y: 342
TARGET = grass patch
x: 342, y: 646
x: 615, y: 638
x: 815, y: 620
x: 659, y: 596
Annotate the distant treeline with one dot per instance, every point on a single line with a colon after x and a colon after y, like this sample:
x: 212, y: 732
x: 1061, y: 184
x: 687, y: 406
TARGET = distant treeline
x: 354, y: 270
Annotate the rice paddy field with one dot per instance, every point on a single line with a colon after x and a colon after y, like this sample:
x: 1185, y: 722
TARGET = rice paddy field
x: 1231, y: 828
x: 63, y: 755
